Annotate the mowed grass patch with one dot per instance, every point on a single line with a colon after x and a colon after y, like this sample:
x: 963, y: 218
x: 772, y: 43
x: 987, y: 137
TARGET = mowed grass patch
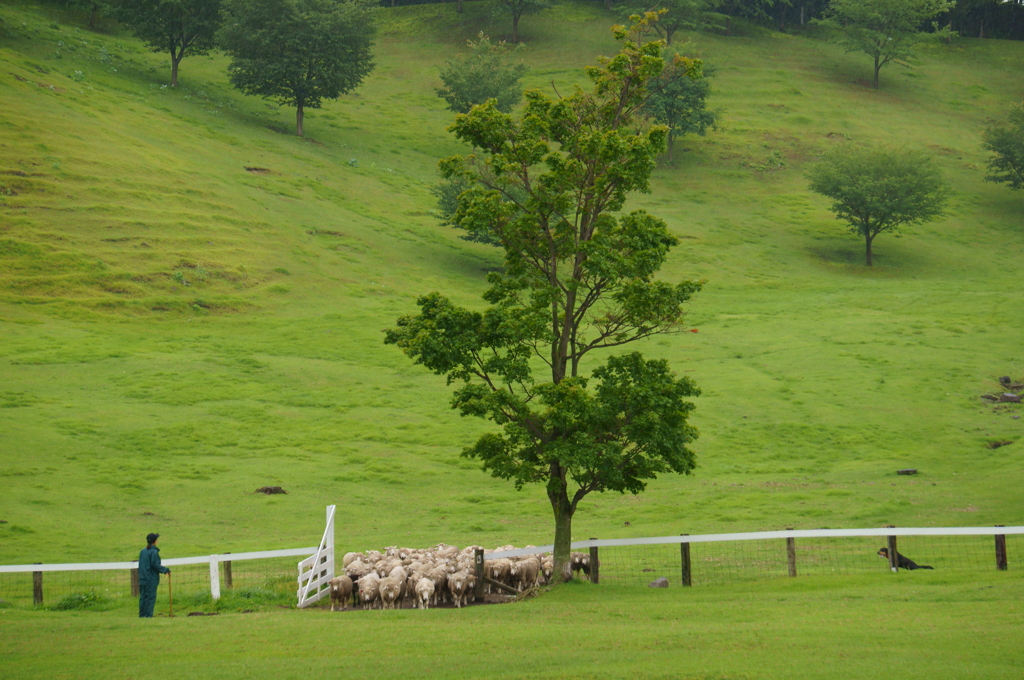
x: 917, y: 625
x: 178, y: 330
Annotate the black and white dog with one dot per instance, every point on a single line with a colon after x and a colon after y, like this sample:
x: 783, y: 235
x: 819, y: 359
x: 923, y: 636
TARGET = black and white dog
x: 903, y: 562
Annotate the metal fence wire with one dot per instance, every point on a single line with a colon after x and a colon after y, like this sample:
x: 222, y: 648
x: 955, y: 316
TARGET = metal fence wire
x: 714, y: 559
x: 752, y: 560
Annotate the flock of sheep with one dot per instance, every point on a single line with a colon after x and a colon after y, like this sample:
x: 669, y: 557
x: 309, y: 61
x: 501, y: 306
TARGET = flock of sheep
x: 435, y: 576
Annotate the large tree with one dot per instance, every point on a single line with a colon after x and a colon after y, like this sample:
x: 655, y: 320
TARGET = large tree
x: 680, y: 102
x: 1006, y: 141
x: 877, y: 190
x: 885, y: 30
x: 580, y: 276
x: 298, y: 52
x: 488, y: 71
x: 176, y: 27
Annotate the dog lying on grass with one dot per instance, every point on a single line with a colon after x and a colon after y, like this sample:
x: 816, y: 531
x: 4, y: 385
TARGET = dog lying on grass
x: 903, y: 562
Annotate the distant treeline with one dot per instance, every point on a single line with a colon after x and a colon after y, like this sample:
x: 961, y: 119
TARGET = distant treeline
x: 970, y: 18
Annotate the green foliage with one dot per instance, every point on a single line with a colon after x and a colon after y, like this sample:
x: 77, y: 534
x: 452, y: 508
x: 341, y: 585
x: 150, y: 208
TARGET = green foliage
x: 578, y: 277
x: 298, y: 52
x: 876, y: 190
x: 517, y: 9
x: 447, y: 192
x: 1006, y: 142
x: 487, y: 72
x: 690, y: 15
x: 885, y: 30
x: 678, y: 99
x: 175, y: 27
x: 79, y: 601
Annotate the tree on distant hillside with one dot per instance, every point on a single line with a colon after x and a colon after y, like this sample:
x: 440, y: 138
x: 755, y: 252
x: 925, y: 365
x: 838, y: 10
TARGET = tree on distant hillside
x: 177, y: 27
x: 487, y: 72
x: 876, y: 190
x: 516, y: 9
x: 1006, y: 142
x: 92, y: 7
x: 691, y: 15
x: 885, y: 30
x: 679, y: 100
x: 298, y: 52
x: 580, y: 276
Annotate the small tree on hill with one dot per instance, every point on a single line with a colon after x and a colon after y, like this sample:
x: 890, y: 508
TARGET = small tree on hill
x: 1006, y: 142
x: 878, y: 190
x: 680, y: 102
x: 298, y: 52
x: 517, y: 9
x: 579, y: 277
x: 885, y: 30
x: 691, y: 15
x: 176, y: 27
x: 487, y: 72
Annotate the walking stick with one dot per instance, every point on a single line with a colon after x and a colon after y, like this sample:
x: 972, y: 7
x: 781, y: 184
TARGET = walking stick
x: 170, y: 594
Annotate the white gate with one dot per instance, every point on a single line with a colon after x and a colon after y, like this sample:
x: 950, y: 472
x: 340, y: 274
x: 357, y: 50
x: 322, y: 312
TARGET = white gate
x: 317, y: 570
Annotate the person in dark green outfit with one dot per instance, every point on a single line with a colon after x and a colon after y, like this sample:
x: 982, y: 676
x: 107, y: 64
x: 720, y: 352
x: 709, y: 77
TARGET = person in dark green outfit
x: 149, y: 576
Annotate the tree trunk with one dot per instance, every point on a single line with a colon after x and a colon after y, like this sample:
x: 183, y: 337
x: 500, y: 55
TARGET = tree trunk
x: 458, y: 6
x: 867, y: 243
x: 671, y: 143
x: 515, y: 29
x: 298, y: 120
x: 174, y: 70
x: 92, y: 15
x: 669, y: 32
x: 801, y: 15
x: 608, y: 5
x: 562, y: 509
x: 981, y: 29
x: 728, y: 26
x: 877, y: 68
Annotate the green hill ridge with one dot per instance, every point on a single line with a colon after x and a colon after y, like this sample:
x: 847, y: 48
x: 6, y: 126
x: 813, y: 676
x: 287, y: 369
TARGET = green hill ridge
x: 191, y: 300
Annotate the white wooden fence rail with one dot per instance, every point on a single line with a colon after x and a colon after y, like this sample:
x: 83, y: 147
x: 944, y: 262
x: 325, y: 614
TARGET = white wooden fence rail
x: 318, y: 568
x: 766, y: 535
x: 170, y: 562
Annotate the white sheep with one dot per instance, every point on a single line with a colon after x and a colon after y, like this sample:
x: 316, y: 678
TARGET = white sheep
x: 424, y: 592
x: 390, y: 591
x: 341, y: 590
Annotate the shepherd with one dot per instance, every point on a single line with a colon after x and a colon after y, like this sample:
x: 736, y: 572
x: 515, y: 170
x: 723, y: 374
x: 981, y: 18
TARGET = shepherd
x: 149, y: 576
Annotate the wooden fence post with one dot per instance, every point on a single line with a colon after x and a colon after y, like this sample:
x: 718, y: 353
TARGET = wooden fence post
x: 684, y: 558
x: 135, y: 582
x: 37, y: 586
x: 478, y: 567
x: 791, y: 553
x: 595, y: 565
x: 1001, y: 551
x: 227, y: 574
x: 894, y: 563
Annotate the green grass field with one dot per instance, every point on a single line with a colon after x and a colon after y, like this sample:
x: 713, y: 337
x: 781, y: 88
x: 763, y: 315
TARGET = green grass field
x: 914, y: 626
x: 177, y: 331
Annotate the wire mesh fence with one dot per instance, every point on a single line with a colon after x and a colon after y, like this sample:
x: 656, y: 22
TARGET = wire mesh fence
x: 750, y: 560
x: 191, y: 582
x: 637, y: 563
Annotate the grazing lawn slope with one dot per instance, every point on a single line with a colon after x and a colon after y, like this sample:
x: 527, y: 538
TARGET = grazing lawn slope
x: 191, y: 306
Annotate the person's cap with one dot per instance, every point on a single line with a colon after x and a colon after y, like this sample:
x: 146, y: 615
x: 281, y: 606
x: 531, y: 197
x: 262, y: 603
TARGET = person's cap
x: 152, y: 538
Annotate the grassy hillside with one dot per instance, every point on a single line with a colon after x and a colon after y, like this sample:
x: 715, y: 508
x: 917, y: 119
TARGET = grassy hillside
x: 191, y: 300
